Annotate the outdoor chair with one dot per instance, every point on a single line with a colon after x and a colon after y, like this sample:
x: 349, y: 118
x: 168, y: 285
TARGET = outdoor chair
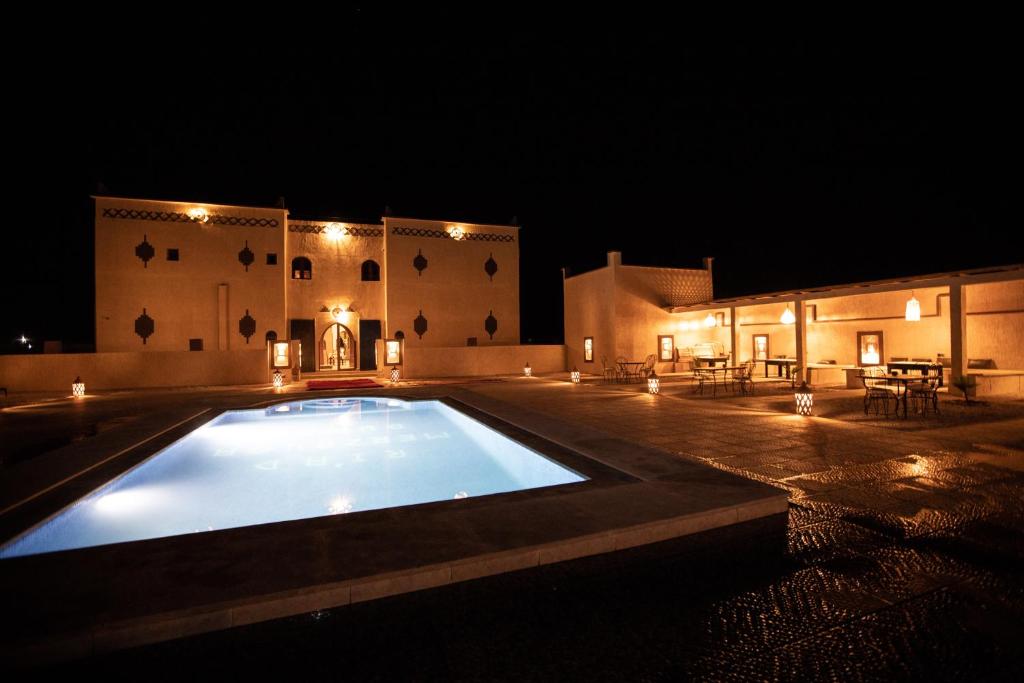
x: 744, y: 376
x: 927, y: 391
x: 877, y: 393
x: 645, y: 370
x: 611, y: 372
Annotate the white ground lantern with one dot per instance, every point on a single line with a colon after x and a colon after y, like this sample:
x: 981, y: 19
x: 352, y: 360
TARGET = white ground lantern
x: 527, y: 370
x: 78, y: 388
x: 395, y: 374
x: 913, y: 309
x: 804, y: 399
x: 574, y: 375
x: 278, y: 379
x: 653, y: 383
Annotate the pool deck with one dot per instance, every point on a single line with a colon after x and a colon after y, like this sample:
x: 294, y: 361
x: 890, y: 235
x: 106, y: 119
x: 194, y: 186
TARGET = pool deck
x: 93, y: 600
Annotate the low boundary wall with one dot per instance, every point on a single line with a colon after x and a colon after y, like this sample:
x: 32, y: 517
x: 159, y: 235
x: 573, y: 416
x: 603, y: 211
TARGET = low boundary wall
x: 477, y: 361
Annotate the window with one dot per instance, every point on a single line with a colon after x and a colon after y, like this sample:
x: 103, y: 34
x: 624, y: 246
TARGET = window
x: 760, y: 347
x: 195, y: 344
x: 869, y: 348
x: 302, y: 268
x: 371, y: 271
x: 271, y: 259
x: 666, y: 348
x: 172, y: 254
x: 588, y: 349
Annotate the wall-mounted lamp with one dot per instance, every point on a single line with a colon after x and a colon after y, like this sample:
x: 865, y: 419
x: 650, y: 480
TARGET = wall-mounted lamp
x: 198, y: 214
x: 456, y: 233
x: 334, y: 231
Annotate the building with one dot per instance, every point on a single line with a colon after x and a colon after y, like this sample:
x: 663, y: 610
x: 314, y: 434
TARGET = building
x: 969, y: 322
x: 183, y: 276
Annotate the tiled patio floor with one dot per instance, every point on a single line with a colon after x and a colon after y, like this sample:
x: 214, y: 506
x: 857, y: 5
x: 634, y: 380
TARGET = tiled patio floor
x: 905, y: 560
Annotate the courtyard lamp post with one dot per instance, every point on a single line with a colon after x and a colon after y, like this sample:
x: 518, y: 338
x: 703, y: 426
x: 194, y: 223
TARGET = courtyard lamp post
x: 804, y: 399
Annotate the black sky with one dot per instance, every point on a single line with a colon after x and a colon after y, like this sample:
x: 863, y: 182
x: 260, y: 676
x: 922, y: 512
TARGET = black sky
x: 794, y: 164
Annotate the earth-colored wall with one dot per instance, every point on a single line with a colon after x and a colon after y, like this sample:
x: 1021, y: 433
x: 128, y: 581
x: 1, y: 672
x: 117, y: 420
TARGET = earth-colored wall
x: 590, y: 312
x: 183, y: 297
x: 468, y: 361
x: 134, y: 369
x: 454, y: 292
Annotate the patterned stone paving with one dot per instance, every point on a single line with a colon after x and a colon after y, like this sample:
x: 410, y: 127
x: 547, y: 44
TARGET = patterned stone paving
x: 905, y: 561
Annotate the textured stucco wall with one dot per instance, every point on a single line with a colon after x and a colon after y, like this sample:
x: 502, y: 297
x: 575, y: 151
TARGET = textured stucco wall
x: 182, y: 296
x: 134, y: 369
x: 468, y: 361
x: 590, y: 312
x: 454, y: 291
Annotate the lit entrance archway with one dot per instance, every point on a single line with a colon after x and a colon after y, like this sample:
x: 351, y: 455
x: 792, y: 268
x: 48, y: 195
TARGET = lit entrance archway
x: 337, y: 348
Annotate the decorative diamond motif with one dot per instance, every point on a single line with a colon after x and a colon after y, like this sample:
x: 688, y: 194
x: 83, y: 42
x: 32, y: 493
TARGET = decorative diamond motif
x: 490, y: 266
x: 419, y: 325
x: 145, y: 251
x: 491, y: 324
x: 420, y: 262
x: 144, y: 326
x: 246, y: 257
x: 247, y: 326
x: 183, y: 217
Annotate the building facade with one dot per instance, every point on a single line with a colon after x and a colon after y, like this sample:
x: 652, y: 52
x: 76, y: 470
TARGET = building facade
x: 179, y: 276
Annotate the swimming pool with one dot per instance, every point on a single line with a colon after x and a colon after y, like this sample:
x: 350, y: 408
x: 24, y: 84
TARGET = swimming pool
x: 293, y: 461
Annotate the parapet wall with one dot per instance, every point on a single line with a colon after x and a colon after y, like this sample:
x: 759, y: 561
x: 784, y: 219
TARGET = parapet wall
x: 133, y: 369
x: 479, y: 361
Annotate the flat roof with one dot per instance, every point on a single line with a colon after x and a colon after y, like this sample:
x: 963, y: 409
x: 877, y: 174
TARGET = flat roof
x: 447, y: 220
x: 189, y: 201
x: 974, y: 275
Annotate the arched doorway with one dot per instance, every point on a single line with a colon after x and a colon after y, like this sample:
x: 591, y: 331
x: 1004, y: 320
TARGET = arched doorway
x: 337, y: 348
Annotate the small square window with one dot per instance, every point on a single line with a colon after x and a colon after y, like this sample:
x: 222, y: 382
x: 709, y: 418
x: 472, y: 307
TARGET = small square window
x: 195, y: 344
x: 172, y: 254
x: 271, y: 259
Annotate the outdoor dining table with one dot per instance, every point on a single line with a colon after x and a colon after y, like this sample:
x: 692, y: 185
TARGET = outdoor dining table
x: 630, y: 368
x: 902, y: 382
x: 780, y: 363
x: 921, y: 366
x: 713, y: 373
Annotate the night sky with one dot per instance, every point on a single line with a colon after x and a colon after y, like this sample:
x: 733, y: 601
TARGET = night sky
x: 792, y: 164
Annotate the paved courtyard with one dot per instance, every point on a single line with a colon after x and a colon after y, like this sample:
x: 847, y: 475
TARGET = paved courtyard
x: 905, y: 560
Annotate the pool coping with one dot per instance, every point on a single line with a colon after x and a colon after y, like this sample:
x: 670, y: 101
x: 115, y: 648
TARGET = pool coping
x: 641, y: 496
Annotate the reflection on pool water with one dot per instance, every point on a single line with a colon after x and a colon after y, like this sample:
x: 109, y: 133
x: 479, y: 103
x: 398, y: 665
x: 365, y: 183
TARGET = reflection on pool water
x: 295, y: 461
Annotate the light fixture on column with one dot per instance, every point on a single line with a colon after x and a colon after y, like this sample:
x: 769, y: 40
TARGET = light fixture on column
x: 787, y: 317
x: 710, y: 321
x: 913, y: 309
x: 456, y: 233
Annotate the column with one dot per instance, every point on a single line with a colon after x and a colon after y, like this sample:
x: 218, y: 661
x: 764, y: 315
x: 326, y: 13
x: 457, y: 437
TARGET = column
x: 957, y: 331
x: 735, y: 336
x: 801, y: 338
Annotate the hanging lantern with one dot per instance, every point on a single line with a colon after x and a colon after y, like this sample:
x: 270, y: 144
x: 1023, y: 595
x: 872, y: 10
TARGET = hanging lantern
x: 78, y: 388
x: 527, y: 370
x: 395, y: 374
x: 804, y: 399
x: 574, y: 375
x: 710, y: 320
x: 913, y: 309
x: 653, y: 383
x: 787, y: 317
x: 278, y: 379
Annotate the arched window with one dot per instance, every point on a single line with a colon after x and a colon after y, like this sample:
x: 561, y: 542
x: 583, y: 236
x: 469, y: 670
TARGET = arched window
x: 302, y: 268
x: 271, y: 336
x: 371, y: 271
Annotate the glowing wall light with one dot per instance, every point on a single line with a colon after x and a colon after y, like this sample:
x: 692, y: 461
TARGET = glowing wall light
x: 913, y: 313
x: 78, y: 388
x: 710, y: 320
x: 653, y: 383
x: 282, y: 355
x: 456, y: 233
x: 198, y: 214
x: 527, y: 370
x: 334, y: 231
x: 787, y: 317
x: 574, y: 375
x: 804, y: 399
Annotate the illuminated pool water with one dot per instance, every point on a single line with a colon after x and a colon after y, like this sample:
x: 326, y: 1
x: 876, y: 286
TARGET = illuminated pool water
x: 295, y: 461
